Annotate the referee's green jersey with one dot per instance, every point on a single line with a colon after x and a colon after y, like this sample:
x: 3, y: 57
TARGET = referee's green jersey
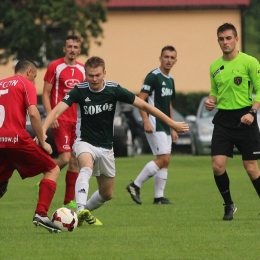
x: 161, y: 92
x: 96, y: 111
x: 233, y: 82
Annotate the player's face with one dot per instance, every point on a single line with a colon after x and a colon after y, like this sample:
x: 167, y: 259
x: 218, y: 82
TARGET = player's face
x: 95, y: 77
x: 227, y: 41
x: 71, y: 49
x: 168, y: 59
x: 31, y: 74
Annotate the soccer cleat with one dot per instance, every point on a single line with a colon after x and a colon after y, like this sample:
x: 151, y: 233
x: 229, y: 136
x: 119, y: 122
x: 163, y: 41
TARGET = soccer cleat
x: 229, y: 211
x: 161, y: 201
x: 85, y: 215
x: 134, y: 192
x: 37, y: 188
x: 46, y: 223
x: 71, y: 205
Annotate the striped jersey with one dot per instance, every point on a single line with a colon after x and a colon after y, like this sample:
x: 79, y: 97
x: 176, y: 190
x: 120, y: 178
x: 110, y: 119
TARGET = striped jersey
x: 63, y: 78
x: 96, y: 110
x: 161, y: 90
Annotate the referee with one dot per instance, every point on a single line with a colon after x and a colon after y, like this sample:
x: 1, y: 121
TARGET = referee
x: 234, y: 78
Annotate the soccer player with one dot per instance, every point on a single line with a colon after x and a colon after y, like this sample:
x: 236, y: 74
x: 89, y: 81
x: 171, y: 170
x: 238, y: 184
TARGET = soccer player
x: 93, y: 147
x: 17, y: 149
x: 159, y: 91
x: 234, y: 77
x: 61, y: 76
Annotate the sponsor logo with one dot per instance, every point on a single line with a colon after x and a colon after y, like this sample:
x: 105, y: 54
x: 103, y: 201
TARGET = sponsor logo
x: 91, y: 110
x: 163, y: 83
x: 146, y: 87
x: 70, y: 83
x: 82, y: 191
x: 166, y: 92
x: 66, y: 147
x: 87, y: 99
x: 238, y: 80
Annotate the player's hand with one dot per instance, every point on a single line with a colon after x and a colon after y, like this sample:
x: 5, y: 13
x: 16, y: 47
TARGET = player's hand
x: 180, y: 127
x: 55, y: 124
x: 46, y: 147
x: 148, y: 128
x: 209, y: 104
x: 35, y: 139
x: 175, y: 136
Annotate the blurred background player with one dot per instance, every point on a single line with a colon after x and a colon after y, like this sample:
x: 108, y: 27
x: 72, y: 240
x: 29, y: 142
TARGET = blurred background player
x: 61, y: 76
x: 17, y: 149
x: 159, y: 91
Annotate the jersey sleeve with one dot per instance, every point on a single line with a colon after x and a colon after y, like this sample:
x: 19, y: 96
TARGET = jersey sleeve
x: 71, y: 97
x: 254, y: 74
x: 30, y: 94
x: 148, y: 85
x: 124, y: 95
x: 50, y: 73
x: 213, y: 89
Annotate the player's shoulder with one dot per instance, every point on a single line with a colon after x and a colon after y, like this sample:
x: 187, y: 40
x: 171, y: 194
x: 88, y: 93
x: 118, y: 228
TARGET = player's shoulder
x: 246, y: 56
x: 57, y: 62
x: 80, y: 64
x: 83, y: 84
x: 111, y: 84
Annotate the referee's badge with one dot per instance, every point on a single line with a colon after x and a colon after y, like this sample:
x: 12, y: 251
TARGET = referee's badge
x: 238, y: 80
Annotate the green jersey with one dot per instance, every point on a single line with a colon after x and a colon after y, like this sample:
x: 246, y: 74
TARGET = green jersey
x: 233, y: 82
x: 161, y: 92
x: 96, y: 111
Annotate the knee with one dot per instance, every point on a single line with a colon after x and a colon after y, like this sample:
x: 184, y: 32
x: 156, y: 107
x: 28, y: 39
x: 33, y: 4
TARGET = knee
x: 218, y: 169
x: 107, y: 196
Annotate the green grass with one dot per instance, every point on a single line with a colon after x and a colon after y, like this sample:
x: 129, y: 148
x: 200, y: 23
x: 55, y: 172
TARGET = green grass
x: 191, y: 228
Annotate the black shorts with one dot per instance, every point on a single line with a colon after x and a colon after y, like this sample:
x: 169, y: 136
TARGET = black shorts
x: 246, y: 139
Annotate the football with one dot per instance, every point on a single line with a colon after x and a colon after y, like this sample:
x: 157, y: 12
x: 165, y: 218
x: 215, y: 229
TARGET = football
x: 65, y: 219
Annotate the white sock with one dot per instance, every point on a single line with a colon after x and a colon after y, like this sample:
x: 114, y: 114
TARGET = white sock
x: 148, y: 171
x: 160, y: 179
x: 95, y: 201
x: 82, y: 187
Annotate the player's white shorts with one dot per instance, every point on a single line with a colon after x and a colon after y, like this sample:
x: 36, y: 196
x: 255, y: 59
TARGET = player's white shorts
x: 160, y: 142
x: 104, y: 160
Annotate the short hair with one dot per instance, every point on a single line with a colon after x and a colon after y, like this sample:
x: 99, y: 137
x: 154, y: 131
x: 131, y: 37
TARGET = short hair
x: 95, y: 62
x: 168, y: 48
x: 24, y: 64
x: 73, y: 37
x: 227, y: 26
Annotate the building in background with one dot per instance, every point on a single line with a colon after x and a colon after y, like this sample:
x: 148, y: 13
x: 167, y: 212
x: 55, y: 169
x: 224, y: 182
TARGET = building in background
x: 137, y: 30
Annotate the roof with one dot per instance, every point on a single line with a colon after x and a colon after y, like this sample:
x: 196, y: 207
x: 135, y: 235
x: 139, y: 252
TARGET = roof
x: 176, y: 4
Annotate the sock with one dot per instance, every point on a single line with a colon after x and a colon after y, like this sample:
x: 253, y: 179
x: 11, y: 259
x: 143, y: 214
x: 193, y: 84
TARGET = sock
x: 256, y: 184
x: 222, y: 182
x: 95, y: 201
x: 148, y: 171
x: 160, y: 179
x: 82, y: 186
x: 70, y: 179
x: 46, y: 193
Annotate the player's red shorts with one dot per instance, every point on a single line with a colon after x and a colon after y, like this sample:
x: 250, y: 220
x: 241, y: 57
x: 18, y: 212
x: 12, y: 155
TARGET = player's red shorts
x: 64, y: 136
x: 29, y: 161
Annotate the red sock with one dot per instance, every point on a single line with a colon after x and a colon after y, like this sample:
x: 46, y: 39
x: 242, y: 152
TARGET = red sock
x: 71, y: 178
x: 46, y: 193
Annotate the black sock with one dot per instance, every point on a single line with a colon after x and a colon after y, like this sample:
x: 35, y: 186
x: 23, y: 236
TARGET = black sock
x: 256, y: 184
x: 222, y: 182
x: 133, y: 184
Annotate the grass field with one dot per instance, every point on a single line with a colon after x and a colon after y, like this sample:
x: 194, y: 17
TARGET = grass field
x: 191, y: 228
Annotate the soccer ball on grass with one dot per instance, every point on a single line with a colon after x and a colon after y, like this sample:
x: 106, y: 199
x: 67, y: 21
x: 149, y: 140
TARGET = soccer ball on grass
x: 65, y: 219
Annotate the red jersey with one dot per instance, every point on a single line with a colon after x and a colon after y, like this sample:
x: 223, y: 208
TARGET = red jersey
x: 63, y: 78
x: 16, y: 95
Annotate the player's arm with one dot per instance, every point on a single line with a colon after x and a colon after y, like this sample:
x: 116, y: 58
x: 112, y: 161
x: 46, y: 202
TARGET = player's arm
x: 47, y: 87
x: 37, y: 127
x: 179, y: 127
x: 54, y: 114
x: 147, y: 125
x: 174, y: 134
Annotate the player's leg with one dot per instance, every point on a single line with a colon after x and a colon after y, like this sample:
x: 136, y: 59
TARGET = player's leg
x: 160, y: 179
x: 222, y: 148
x: 149, y: 170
